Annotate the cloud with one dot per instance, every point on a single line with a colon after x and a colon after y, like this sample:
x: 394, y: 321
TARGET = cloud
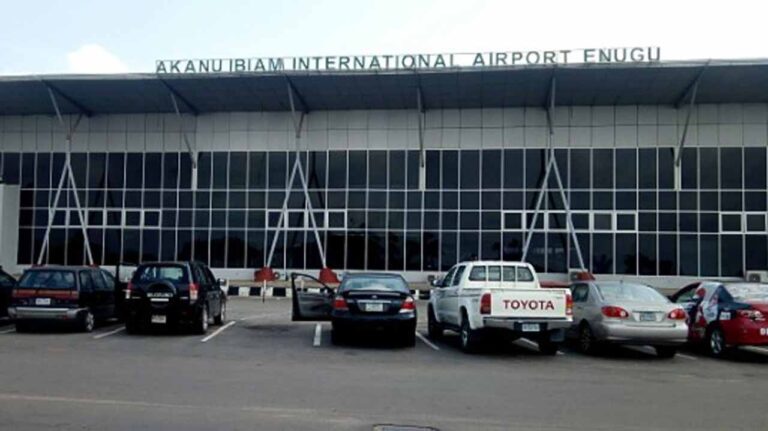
x: 94, y: 58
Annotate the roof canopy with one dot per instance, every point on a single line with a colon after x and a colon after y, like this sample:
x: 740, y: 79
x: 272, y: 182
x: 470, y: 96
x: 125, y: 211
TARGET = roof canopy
x: 593, y: 84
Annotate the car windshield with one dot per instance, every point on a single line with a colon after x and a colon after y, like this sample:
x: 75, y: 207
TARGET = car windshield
x: 748, y: 292
x: 172, y: 273
x: 48, y: 279
x: 630, y: 292
x: 374, y: 283
x: 6, y: 280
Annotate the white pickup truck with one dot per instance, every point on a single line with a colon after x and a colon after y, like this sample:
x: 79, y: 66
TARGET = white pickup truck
x: 484, y: 298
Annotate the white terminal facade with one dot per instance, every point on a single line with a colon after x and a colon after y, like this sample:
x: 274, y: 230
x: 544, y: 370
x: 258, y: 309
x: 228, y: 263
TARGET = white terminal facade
x: 391, y: 194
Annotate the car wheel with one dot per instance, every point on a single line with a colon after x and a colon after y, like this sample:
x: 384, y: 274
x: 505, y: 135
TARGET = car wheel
x: 586, y: 340
x: 716, y: 342
x: 547, y: 347
x: 201, y: 324
x: 222, y: 317
x: 665, y: 352
x: 470, y: 339
x: 434, y: 329
x: 87, y: 321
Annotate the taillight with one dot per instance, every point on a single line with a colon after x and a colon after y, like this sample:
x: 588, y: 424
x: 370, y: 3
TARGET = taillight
x: 485, y: 303
x: 128, y: 290
x: 751, y: 314
x: 339, y: 303
x: 408, y: 305
x: 568, y: 304
x: 677, y: 314
x: 193, y: 291
x: 615, y: 312
x: 74, y: 294
x: 16, y: 293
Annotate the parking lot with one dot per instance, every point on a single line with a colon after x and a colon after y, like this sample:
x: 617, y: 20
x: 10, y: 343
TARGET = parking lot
x: 262, y: 371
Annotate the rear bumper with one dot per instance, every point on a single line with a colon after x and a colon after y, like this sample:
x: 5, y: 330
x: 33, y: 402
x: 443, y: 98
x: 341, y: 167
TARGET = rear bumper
x: 658, y: 335
x: 43, y: 313
x: 353, y: 322
x: 143, y: 309
x: 515, y: 324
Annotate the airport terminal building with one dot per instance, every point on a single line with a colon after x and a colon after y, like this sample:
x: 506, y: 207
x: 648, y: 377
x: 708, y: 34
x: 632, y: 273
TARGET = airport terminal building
x: 409, y: 169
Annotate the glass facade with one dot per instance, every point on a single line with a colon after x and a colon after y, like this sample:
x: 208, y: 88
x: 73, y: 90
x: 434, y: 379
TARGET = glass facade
x: 633, y: 211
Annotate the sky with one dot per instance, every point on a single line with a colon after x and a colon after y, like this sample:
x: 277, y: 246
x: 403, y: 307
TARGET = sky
x: 42, y: 37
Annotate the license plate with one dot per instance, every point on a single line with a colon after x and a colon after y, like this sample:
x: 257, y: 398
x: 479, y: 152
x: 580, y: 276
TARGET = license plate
x: 531, y: 327
x: 647, y: 317
x: 375, y: 307
x: 158, y: 319
x: 43, y: 301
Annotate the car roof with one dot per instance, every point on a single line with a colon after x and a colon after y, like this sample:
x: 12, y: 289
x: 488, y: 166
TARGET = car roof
x: 372, y: 274
x: 168, y: 262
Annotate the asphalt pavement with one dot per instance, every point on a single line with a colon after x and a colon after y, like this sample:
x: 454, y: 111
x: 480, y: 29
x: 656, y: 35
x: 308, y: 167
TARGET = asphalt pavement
x: 261, y: 371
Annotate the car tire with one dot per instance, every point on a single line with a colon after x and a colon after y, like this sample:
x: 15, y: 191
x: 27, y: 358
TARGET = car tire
x: 222, y: 316
x: 586, y: 342
x: 87, y: 321
x: 665, y: 352
x: 201, y: 322
x: 434, y: 329
x: 469, y: 338
x: 716, y: 344
x: 547, y: 347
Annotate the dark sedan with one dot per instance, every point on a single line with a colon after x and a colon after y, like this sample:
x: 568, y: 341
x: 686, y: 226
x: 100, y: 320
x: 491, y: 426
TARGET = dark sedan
x: 364, y: 303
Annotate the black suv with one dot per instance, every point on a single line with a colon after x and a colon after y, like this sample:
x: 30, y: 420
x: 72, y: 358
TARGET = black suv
x: 75, y: 294
x: 172, y: 293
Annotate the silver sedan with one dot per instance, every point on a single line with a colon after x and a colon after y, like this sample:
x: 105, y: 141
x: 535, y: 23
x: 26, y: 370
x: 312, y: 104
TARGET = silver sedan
x: 626, y: 313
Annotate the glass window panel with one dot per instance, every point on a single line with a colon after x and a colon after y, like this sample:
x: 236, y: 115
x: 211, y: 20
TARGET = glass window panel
x: 602, y: 254
x: 469, y: 220
x: 150, y: 245
x: 413, y: 169
x: 534, y: 168
x: 491, y: 200
x: 11, y: 168
x: 753, y: 201
x: 730, y: 168
x: 513, y: 169
x: 168, y: 245
x: 395, y: 247
x: 689, y: 222
x: 185, y: 171
x: 709, y: 222
x: 626, y: 254
x: 358, y: 169
x: 710, y: 258
x: 278, y: 169
x: 647, y: 168
x: 557, y: 246
x: 152, y: 170
x: 337, y: 170
x: 602, y: 200
x: 689, y: 255
x: 152, y: 199
x: 755, y: 222
x: 356, y: 250
x: 396, y: 170
x: 468, y: 246
x: 396, y: 200
x: 731, y: 253
x: 757, y: 254
x: 257, y: 170
x: 79, y: 168
x: 668, y: 222
x: 666, y: 168
x: 377, y: 199
x: 413, y: 220
x: 413, y: 251
x: 491, y: 220
x: 667, y: 254
x: 450, y: 168
x: 184, y: 245
x: 730, y: 200
x: 491, y: 172
x: 431, y: 244
x: 490, y: 245
x: 432, y: 200
x: 43, y: 170
x: 667, y: 200
x: 626, y: 168
x: 448, y: 244
x: 469, y: 171
x: 238, y: 166
x: 470, y: 200
x: 170, y: 170
x: 648, y: 200
x: 433, y: 169
x: 377, y: 169
x: 709, y: 201
x: 731, y: 222
x: 513, y: 200
x: 625, y: 222
x: 688, y: 171
x: 169, y: 218
x: 754, y: 168
x: 96, y: 170
x: 708, y: 168
x: 431, y: 220
x: 513, y: 246
x: 688, y: 201
x: 603, y: 221
x: 580, y: 168
x: 377, y: 219
x: 626, y: 200
x: 186, y: 199
x: 602, y: 175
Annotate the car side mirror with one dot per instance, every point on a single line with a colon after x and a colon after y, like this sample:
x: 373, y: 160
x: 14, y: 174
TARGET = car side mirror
x: 438, y: 282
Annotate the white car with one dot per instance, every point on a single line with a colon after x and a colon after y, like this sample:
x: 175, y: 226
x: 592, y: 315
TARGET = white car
x: 484, y: 298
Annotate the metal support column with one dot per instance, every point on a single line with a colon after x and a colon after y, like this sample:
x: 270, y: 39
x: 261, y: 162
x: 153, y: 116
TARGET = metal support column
x: 422, y: 117
x: 298, y: 122
x: 66, y: 174
x: 552, y: 167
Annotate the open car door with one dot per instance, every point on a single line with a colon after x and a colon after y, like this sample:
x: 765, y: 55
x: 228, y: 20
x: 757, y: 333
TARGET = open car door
x: 311, y: 298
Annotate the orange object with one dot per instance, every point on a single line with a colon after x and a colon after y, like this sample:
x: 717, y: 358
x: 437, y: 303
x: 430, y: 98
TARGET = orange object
x: 265, y: 274
x: 327, y: 276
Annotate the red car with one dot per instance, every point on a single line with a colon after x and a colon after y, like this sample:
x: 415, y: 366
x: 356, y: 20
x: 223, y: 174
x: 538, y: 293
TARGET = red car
x: 723, y: 316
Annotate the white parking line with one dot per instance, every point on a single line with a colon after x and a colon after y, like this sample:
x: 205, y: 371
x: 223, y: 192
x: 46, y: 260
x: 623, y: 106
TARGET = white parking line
x: 426, y: 341
x: 107, y: 334
x: 8, y: 331
x: 218, y: 331
x: 684, y: 356
x: 318, y: 335
x: 263, y: 316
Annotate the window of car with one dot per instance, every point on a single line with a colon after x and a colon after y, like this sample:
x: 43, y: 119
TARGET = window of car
x: 508, y: 273
x: 457, y: 277
x: 630, y: 292
x: 524, y: 274
x: 580, y: 293
x: 494, y: 273
x: 686, y: 296
x: 172, y: 273
x: 448, y: 277
x: 48, y: 279
x: 86, y: 284
x: 374, y: 282
x: 98, y: 281
x: 109, y: 280
x: 6, y: 280
x: 478, y: 273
